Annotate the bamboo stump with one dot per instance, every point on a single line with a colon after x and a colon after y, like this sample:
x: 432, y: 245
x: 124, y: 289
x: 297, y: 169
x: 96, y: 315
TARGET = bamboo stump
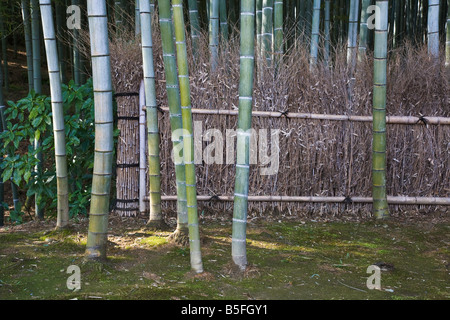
x: 127, y: 183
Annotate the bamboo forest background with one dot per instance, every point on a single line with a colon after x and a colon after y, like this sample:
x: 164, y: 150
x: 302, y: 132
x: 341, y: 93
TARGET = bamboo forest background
x: 311, y: 57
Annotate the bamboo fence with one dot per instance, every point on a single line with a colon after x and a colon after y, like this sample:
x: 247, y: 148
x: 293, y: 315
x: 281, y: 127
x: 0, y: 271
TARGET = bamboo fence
x: 127, y: 181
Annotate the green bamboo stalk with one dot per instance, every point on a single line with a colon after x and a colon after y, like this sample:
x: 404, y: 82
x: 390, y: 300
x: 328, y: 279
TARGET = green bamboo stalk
x: 214, y: 33
x: 327, y: 40
x: 104, y: 144
x: 278, y: 31
x: 25, y: 6
x: 223, y: 16
x: 119, y: 11
x: 137, y: 18
x: 380, y: 205
x: 151, y: 105
x: 247, y: 57
x: 57, y: 113
x: 352, y: 44
x: 36, y: 46
x: 267, y: 31
x: 315, y: 34
x: 76, y: 52
x: 433, y: 28
x: 195, y: 26
x: 447, y: 42
x: 37, y: 86
x: 301, y: 19
x: 363, y: 30
x: 60, y: 22
x: 173, y: 96
x: 259, y: 4
x: 188, y: 137
x: 352, y: 36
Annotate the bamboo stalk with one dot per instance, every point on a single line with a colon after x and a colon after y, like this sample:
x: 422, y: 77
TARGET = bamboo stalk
x: 433, y: 28
x: 188, y: 138
x: 214, y: 33
x: 223, y: 17
x: 142, y: 140
x: 266, y: 31
x: 447, y: 40
x: 380, y: 207
x: 154, y: 174
x: 315, y: 34
x: 363, y: 30
x: 406, y: 120
x: 392, y: 200
x: 57, y: 113
x: 195, y: 26
x: 104, y: 144
x: 278, y: 31
x: 173, y: 98
x: 247, y: 59
x: 326, y: 54
x: 25, y: 5
x: 37, y: 86
x: 352, y: 45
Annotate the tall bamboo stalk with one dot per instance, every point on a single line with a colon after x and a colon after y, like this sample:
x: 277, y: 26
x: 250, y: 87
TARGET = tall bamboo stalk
x: 278, y: 31
x: 57, y: 113
x: 327, y: 36
x: 315, y: 33
x: 433, y: 28
x: 247, y: 57
x: 195, y: 26
x: 37, y: 86
x: 103, y: 156
x: 76, y: 52
x: 60, y: 11
x: 25, y: 6
x: 267, y: 31
x: 259, y: 4
x: 363, y: 30
x: 119, y: 12
x: 380, y: 205
x: 137, y: 18
x: 214, y: 33
x: 173, y: 97
x: 352, y: 35
x: 447, y: 42
x: 352, y: 43
x: 188, y: 137
x: 223, y: 16
x: 154, y: 174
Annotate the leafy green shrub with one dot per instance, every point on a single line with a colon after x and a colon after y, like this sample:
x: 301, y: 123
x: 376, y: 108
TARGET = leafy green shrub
x: 31, y: 118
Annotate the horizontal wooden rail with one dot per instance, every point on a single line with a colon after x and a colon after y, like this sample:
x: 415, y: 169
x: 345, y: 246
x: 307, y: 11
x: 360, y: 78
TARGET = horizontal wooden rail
x: 400, y: 200
x: 411, y: 120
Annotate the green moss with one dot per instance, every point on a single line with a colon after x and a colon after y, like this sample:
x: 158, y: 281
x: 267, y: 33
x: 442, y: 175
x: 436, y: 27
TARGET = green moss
x: 153, y: 241
x: 287, y: 260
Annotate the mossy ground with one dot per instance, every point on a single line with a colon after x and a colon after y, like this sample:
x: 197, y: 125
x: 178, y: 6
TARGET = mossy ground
x: 288, y: 260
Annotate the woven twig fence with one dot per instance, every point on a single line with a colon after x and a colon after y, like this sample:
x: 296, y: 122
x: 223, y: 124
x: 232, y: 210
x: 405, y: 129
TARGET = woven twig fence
x: 327, y: 157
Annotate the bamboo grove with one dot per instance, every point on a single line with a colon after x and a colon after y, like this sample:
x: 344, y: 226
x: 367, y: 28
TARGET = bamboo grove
x: 268, y: 31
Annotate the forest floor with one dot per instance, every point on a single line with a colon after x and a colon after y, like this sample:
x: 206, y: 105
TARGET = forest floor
x: 287, y: 260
